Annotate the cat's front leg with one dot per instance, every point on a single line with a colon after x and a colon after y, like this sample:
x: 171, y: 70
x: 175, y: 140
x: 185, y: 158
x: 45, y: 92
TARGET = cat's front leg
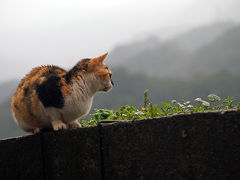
x: 58, y: 124
x: 36, y: 130
x: 74, y: 124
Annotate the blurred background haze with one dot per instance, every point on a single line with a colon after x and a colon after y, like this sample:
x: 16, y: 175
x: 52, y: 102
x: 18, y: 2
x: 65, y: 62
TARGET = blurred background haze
x: 178, y: 49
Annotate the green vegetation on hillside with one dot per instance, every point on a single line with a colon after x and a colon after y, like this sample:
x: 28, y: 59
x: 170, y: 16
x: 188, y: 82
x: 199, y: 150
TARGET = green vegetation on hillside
x: 150, y: 110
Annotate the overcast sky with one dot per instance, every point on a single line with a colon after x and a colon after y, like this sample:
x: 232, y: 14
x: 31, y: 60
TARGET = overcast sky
x: 61, y: 32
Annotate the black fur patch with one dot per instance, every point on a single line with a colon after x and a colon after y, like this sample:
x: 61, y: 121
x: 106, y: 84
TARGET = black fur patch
x: 82, y: 65
x: 16, y: 106
x: 52, y: 70
x: 72, y: 73
x: 49, y: 92
x: 26, y: 91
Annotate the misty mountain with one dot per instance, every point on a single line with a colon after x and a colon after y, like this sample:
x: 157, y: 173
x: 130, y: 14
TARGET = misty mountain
x: 122, y: 53
x: 197, y: 38
x: 8, y: 128
x: 163, y: 60
x: 7, y: 88
x: 221, y: 54
x: 189, y: 41
x: 176, y: 58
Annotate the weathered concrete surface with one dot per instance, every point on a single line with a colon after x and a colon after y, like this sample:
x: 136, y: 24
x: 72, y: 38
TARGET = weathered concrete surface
x: 62, y: 155
x: 72, y: 154
x: 197, y: 146
x: 20, y: 158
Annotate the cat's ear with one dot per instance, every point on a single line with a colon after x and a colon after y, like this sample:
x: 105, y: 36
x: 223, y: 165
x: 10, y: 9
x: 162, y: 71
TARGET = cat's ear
x: 100, y: 59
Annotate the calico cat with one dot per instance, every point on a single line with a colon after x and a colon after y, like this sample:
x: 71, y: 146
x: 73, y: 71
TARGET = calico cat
x: 50, y: 97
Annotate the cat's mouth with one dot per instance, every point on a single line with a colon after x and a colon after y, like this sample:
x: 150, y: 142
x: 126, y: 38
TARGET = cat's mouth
x: 107, y: 88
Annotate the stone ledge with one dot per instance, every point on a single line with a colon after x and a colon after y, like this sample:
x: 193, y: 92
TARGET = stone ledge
x: 194, y: 146
x: 66, y: 154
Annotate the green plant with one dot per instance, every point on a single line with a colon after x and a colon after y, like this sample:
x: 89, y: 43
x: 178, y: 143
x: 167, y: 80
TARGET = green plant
x: 150, y: 110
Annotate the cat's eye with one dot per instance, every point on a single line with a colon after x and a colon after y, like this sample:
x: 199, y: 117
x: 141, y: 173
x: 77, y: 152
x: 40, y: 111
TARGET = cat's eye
x: 110, y: 75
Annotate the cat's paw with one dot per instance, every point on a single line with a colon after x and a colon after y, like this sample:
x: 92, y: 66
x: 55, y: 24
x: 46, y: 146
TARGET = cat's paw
x: 58, y: 125
x: 74, y: 125
x: 36, y: 131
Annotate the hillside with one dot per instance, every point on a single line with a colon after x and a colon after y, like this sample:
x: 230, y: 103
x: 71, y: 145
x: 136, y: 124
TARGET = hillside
x: 7, y: 88
x: 222, y: 54
x: 175, y: 58
x: 122, y: 53
x: 199, y: 37
x: 8, y: 127
x: 129, y: 88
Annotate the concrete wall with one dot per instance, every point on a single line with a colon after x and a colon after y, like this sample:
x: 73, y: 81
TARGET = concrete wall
x: 196, y: 146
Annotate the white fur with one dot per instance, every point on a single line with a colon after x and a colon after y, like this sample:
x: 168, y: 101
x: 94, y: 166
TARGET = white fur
x: 78, y: 103
x: 14, y: 117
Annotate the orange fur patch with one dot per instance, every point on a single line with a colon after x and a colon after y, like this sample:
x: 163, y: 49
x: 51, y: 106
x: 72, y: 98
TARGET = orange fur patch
x: 66, y: 88
x: 97, y: 62
x: 103, y: 74
x: 26, y: 109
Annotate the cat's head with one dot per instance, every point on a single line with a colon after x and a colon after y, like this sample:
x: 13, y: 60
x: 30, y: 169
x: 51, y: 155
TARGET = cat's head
x: 101, y: 73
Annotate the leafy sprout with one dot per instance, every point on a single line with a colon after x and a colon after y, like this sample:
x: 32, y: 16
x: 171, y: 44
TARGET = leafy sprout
x: 150, y: 110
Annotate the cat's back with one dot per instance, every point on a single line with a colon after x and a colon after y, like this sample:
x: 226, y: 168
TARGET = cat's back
x: 36, y: 86
x: 37, y: 77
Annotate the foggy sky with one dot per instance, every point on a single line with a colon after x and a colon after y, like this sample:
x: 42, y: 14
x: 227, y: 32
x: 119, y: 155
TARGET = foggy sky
x: 61, y: 32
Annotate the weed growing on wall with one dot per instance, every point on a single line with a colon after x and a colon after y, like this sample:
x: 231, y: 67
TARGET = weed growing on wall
x: 149, y: 110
